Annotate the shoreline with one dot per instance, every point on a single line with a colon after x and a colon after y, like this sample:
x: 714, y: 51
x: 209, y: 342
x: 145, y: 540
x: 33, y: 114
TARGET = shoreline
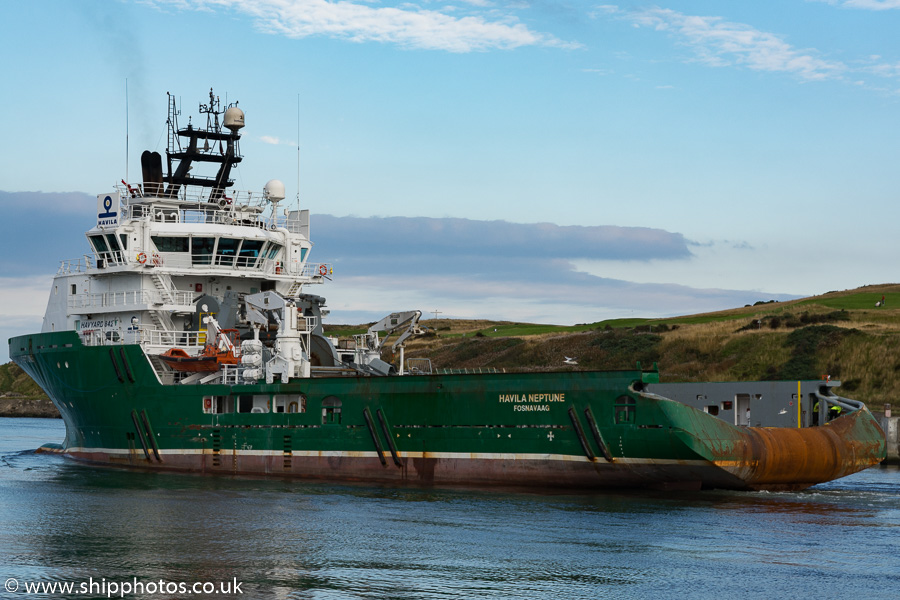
x: 21, y: 406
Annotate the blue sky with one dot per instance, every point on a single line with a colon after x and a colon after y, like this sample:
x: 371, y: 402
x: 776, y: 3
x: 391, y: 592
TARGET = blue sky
x: 682, y: 156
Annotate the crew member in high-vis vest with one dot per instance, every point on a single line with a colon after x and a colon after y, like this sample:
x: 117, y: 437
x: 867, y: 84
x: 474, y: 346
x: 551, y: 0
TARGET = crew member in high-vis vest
x: 834, y: 411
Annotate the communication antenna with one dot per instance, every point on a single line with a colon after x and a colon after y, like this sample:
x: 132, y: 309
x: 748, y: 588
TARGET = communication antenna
x: 298, y: 151
x: 126, y: 130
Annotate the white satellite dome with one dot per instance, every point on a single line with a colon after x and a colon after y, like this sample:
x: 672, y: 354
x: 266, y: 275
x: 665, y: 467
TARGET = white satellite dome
x: 234, y: 118
x: 274, y: 191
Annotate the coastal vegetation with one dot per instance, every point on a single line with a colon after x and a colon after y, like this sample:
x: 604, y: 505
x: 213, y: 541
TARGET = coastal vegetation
x: 20, y: 396
x: 842, y: 335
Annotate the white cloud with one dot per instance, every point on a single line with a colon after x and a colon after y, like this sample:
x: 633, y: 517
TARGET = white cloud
x: 405, y: 25
x: 718, y: 42
x: 22, y: 303
x: 356, y: 299
x: 269, y: 139
x: 872, y: 4
x: 24, y: 297
x: 609, y: 9
x: 884, y: 69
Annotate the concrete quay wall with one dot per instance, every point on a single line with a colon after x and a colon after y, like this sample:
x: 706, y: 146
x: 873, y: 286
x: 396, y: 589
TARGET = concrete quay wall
x: 891, y: 426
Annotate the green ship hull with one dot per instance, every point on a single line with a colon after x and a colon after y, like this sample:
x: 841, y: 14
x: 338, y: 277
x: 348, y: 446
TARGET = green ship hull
x: 568, y: 430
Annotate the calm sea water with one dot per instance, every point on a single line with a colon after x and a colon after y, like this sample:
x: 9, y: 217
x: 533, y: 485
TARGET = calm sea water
x: 63, y: 522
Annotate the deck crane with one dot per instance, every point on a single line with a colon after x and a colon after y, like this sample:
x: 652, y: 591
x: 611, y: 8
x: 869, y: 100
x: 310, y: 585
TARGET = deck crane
x: 406, y: 321
x: 291, y: 349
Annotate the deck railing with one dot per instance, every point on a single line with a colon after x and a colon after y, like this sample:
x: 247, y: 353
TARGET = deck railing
x: 75, y: 265
x: 418, y: 366
x: 190, y: 195
x: 146, y: 336
x: 230, y: 374
x: 478, y: 371
x: 172, y: 339
x: 315, y: 272
x: 236, y: 212
x: 130, y: 299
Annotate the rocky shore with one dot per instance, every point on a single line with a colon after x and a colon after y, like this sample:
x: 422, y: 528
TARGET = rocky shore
x: 17, y: 405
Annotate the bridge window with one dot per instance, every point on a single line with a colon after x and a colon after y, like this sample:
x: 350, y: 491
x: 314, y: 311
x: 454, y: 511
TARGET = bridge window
x: 114, y: 247
x: 227, y: 250
x: 170, y: 244
x: 249, y: 252
x: 99, y: 244
x: 202, y: 250
x: 228, y: 246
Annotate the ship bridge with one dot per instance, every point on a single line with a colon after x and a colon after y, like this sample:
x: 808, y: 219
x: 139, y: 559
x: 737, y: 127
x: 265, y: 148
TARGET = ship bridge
x: 177, y: 248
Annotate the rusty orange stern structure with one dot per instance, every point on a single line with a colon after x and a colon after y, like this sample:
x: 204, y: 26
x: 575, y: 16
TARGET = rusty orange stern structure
x: 781, y: 458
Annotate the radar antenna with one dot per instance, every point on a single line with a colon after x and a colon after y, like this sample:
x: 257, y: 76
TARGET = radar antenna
x: 227, y: 156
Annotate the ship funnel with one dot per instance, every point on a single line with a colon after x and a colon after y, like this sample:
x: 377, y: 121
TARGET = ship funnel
x: 234, y: 119
x: 274, y: 191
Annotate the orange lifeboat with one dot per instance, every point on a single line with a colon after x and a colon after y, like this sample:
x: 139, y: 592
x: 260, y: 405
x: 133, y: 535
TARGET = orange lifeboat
x: 209, y: 360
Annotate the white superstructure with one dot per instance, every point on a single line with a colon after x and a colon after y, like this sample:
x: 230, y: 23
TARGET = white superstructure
x: 174, y: 249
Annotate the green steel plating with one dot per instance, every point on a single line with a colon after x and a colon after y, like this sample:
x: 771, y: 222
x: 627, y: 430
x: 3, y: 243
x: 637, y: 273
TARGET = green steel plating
x: 598, y: 428
x: 438, y: 414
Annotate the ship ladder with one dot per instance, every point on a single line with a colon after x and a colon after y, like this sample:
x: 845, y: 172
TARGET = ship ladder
x: 387, y: 434
x: 287, y: 452
x: 216, y: 448
x: 374, y: 434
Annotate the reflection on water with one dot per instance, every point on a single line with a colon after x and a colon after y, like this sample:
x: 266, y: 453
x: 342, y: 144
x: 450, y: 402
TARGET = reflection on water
x: 64, y: 521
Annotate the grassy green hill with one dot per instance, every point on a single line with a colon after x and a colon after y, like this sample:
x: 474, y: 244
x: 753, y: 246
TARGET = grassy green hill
x: 20, y: 396
x: 841, y: 334
x: 15, y: 382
